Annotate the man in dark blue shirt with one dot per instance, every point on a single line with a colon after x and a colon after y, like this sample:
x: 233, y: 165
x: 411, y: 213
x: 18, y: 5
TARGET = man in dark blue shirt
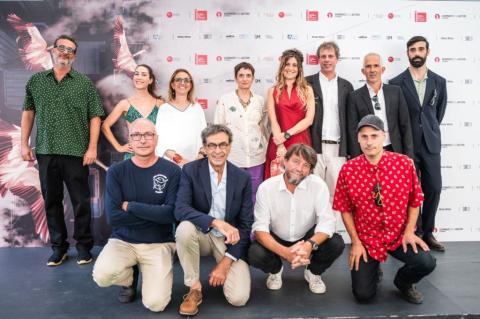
x: 140, y: 201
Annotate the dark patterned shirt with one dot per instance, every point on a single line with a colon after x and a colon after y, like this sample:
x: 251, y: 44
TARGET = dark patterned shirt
x: 63, y: 111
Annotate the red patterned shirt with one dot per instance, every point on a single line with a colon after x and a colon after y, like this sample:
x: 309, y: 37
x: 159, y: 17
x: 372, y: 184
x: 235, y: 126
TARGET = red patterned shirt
x: 380, y: 229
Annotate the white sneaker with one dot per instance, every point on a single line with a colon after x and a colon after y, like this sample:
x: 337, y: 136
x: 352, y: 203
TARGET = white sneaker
x: 315, y: 283
x: 274, y: 281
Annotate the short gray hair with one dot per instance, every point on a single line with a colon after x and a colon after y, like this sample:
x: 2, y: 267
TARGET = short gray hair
x: 215, y: 129
x: 372, y: 54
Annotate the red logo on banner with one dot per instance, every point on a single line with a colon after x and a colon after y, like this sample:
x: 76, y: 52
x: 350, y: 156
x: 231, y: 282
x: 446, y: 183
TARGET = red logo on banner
x: 201, y: 59
x: 312, y: 15
x: 219, y: 58
x: 437, y: 59
x: 437, y: 16
x: 312, y: 59
x: 169, y: 58
x: 329, y: 15
x: 219, y: 14
x: 390, y: 15
x: 420, y: 16
x: 169, y: 14
x: 390, y: 59
x: 281, y: 14
x: 201, y: 15
x: 203, y: 103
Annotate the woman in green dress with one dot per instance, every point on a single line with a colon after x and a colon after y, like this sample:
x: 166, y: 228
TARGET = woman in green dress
x: 143, y: 104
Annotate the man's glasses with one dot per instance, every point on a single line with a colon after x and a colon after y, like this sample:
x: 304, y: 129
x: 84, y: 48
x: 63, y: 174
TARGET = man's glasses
x: 182, y: 80
x: 377, y: 195
x: 213, y: 146
x: 376, y: 104
x: 138, y: 136
x: 65, y: 49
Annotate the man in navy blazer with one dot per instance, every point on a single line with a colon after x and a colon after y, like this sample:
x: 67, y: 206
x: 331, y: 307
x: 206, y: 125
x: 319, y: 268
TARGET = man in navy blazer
x: 426, y: 96
x: 215, y: 210
x: 386, y: 102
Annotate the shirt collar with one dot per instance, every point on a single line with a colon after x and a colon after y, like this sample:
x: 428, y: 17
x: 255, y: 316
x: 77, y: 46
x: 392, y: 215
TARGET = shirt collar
x: 282, y: 186
x: 372, y: 92
x: 72, y: 73
x: 214, y: 174
x: 381, y: 162
x: 425, y: 77
x: 324, y: 78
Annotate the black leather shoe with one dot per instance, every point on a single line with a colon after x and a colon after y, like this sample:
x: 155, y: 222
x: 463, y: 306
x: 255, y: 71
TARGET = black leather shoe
x: 433, y: 243
x: 409, y: 292
x: 128, y: 294
x: 57, y: 258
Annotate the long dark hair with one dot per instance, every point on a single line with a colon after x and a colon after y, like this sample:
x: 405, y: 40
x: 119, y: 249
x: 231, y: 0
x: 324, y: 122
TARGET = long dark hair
x: 152, y: 86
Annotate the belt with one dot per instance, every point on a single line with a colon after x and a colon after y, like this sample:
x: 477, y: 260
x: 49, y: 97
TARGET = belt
x: 330, y: 142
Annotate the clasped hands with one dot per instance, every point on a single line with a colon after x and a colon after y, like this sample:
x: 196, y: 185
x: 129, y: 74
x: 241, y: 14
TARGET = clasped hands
x: 298, y: 254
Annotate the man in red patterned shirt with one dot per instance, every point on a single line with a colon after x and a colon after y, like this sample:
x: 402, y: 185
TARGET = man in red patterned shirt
x: 379, y: 196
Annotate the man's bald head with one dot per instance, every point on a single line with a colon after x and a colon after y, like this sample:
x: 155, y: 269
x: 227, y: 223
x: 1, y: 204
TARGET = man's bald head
x: 144, y: 123
x: 143, y: 138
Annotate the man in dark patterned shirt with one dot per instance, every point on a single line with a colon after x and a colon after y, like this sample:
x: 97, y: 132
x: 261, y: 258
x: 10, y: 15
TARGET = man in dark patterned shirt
x: 67, y: 109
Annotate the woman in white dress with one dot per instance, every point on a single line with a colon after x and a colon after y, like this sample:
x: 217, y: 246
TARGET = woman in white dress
x: 180, y: 121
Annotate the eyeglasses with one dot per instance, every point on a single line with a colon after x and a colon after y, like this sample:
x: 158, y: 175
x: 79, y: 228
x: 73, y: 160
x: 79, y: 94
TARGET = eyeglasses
x: 376, y: 104
x: 182, y: 80
x: 377, y: 195
x: 138, y: 136
x: 65, y: 49
x: 213, y: 146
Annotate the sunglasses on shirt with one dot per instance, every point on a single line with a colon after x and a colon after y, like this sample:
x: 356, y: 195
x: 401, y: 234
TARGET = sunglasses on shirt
x: 376, y: 194
x: 376, y: 103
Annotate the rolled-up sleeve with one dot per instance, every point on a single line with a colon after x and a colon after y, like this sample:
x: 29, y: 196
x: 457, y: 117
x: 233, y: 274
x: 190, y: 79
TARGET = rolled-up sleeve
x: 261, y: 211
x: 324, y: 215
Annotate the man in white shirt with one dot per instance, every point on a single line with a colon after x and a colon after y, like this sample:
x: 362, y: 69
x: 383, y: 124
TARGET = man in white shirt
x: 294, y: 222
x: 383, y: 100
x: 329, y: 128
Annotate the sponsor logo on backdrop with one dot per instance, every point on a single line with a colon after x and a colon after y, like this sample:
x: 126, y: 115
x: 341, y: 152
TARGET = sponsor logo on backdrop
x: 206, y: 81
x: 420, y: 16
x: 362, y: 37
x: 157, y: 36
x: 312, y: 59
x: 340, y: 37
x: 390, y: 15
x: 219, y: 14
x: 312, y: 15
x: 203, y: 103
x: 201, y: 15
x: 206, y: 36
x: 451, y: 59
x: 329, y: 14
x: 292, y: 36
x: 345, y: 14
x: 316, y: 36
x: 450, y: 16
x: 436, y: 59
x: 437, y: 16
x: 201, y: 59
x: 281, y: 14
x: 170, y: 14
x: 468, y: 38
x: 183, y: 36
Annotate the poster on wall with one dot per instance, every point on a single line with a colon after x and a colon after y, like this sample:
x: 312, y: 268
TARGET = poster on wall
x: 209, y: 38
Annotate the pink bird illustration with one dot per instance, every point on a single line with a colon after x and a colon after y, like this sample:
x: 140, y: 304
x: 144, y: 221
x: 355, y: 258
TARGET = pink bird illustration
x: 21, y: 178
x: 124, y: 60
x: 33, y: 48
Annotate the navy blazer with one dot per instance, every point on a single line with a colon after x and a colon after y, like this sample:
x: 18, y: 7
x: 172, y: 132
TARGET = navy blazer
x: 344, y: 88
x: 425, y: 118
x: 194, y: 200
x: 399, y: 127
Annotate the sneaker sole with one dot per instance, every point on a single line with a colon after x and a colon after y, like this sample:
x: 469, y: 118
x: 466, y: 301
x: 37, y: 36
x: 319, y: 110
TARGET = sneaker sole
x: 53, y: 264
x: 190, y: 313
x: 84, y: 262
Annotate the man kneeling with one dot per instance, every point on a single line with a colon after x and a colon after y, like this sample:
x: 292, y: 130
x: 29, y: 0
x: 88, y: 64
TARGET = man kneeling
x: 294, y: 221
x: 214, y: 206
x: 140, y: 202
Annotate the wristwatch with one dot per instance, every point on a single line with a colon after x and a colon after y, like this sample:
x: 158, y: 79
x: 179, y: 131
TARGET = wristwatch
x: 314, y: 244
x: 287, y: 135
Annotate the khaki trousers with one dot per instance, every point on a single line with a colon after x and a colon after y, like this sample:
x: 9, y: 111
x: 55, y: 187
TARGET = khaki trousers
x: 114, y: 267
x: 193, y: 243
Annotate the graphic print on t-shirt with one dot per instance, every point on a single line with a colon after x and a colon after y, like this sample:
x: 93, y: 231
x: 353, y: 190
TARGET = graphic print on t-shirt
x: 159, y: 183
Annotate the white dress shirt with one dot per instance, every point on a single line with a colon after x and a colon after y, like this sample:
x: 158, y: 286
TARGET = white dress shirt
x: 331, y: 119
x: 180, y: 130
x: 248, y: 126
x: 290, y: 216
x: 382, y: 113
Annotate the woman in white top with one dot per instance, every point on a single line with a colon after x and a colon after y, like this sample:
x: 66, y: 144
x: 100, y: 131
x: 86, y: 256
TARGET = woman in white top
x: 180, y: 121
x: 245, y: 114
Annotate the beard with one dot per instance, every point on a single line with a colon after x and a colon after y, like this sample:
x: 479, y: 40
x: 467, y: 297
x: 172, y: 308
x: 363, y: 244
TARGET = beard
x: 294, y: 180
x: 417, y: 61
x: 61, y: 61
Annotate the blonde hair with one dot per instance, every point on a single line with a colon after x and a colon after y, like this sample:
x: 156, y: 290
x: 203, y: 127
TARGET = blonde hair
x: 302, y: 84
x: 171, y: 91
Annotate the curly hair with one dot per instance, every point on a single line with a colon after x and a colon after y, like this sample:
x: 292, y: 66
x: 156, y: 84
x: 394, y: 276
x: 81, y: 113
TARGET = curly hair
x: 300, y: 81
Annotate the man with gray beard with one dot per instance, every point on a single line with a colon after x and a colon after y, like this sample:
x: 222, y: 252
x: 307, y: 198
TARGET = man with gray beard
x: 294, y: 222
x: 67, y: 109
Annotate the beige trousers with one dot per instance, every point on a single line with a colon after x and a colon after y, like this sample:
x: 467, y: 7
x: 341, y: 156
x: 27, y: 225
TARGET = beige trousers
x: 193, y: 243
x: 114, y: 267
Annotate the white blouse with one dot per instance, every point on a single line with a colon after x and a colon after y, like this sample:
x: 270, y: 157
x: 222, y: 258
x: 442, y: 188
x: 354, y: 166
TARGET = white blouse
x: 180, y: 130
x: 248, y: 126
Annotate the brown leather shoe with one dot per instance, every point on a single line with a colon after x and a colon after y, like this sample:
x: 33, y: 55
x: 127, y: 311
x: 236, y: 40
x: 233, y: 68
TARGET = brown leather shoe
x: 433, y: 243
x: 189, y: 306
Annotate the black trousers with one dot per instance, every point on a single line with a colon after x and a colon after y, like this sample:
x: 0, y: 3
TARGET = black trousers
x: 54, y: 171
x: 417, y: 266
x: 428, y: 167
x: 269, y: 262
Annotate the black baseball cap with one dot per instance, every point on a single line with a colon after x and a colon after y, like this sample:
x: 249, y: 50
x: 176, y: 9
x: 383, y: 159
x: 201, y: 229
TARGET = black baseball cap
x: 371, y: 120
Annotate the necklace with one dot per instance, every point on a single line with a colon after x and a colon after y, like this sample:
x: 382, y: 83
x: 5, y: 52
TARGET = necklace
x: 242, y: 102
